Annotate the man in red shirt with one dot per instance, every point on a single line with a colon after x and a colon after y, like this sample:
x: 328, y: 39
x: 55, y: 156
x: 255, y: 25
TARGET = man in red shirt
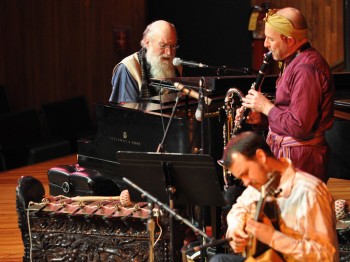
x: 303, y: 108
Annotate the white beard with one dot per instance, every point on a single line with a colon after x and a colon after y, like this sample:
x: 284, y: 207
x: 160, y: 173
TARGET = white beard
x: 160, y: 68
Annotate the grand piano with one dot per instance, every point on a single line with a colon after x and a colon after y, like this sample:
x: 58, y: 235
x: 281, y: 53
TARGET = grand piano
x: 141, y: 126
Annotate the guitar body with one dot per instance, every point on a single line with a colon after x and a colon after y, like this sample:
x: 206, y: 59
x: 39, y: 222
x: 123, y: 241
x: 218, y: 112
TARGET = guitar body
x: 256, y: 250
x: 268, y: 256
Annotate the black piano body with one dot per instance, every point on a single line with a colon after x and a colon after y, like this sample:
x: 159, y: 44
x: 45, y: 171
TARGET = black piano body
x: 141, y: 127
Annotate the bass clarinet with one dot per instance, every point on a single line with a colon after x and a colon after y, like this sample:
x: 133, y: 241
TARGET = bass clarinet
x: 256, y: 85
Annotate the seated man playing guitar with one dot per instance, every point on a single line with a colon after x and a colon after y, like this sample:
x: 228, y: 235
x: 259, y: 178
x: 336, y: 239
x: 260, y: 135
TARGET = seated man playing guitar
x: 302, y: 224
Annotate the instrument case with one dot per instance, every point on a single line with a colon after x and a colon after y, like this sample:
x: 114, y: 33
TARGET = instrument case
x: 74, y: 180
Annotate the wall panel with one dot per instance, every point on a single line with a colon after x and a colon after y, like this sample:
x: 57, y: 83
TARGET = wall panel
x: 57, y: 49
x: 325, y: 20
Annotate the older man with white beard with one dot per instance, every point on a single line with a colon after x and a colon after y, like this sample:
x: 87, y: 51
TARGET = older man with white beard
x: 131, y: 76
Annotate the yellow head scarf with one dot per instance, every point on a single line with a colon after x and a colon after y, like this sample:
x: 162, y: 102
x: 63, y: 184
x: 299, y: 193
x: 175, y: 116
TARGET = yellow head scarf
x: 283, y: 25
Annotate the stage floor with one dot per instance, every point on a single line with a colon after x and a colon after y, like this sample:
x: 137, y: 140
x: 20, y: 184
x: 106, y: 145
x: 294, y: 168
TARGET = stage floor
x: 11, y: 245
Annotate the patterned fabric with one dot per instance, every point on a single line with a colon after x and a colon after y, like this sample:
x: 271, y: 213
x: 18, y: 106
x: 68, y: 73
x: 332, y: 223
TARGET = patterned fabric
x: 146, y: 91
x: 131, y: 78
x: 341, y: 208
x: 280, y: 145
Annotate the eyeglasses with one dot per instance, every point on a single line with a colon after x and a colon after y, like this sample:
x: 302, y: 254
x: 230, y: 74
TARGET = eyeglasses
x: 164, y: 46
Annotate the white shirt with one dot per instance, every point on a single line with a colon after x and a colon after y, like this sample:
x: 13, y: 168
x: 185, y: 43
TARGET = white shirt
x: 307, y: 218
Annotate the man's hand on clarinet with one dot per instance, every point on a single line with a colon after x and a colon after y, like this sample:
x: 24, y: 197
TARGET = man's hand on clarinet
x: 257, y: 102
x: 253, y: 118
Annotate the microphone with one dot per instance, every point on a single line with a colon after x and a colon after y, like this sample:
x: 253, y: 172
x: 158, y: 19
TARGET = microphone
x: 211, y: 244
x: 190, y: 92
x: 125, y: 198
x: 199, y: 110
x: 178, y: 61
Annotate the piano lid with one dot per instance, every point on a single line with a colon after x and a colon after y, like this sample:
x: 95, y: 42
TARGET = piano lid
x: 157, y: 103
x: 220, y: 84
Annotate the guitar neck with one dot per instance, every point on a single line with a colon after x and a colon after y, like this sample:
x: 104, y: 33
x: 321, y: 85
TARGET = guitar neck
x: 259, y: 208
x: 267, y: 190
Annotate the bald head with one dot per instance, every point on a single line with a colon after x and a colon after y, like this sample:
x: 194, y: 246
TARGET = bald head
x: 160, y: 43
x: 296, y: 18
x: 159, y: 29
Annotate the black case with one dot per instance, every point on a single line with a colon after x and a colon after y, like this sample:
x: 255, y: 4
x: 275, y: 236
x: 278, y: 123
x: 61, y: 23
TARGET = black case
x: 74, y: 180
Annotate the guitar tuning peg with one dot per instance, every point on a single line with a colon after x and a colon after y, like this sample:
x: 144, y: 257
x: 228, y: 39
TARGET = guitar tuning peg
x: 277, y: 192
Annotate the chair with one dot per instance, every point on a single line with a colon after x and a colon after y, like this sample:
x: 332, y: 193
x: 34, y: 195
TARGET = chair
x: 339, y: 166
x: 69, y: 119
x: 2, y: 161
x: 22, y: 140
x: 29, y: 189
x: 4, y: 101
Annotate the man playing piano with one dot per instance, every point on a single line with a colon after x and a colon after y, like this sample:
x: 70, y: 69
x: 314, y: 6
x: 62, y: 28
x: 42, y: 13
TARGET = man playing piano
x: 130, y: 80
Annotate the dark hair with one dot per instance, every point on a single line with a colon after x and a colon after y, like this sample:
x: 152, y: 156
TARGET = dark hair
x: 245, y: 143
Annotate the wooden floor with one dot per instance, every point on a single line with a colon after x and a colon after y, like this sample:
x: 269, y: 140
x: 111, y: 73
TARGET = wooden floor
x: 11, y: 246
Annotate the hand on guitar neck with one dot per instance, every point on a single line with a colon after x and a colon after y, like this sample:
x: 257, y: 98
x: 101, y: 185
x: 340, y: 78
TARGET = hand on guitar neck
x: 244, y: 237
x: 259, y: 225
x: 261, y: 230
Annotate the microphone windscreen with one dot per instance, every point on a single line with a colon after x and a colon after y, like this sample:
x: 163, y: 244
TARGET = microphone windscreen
x: 199, y: 111
x: 176, y: 61
x: 125, y: 198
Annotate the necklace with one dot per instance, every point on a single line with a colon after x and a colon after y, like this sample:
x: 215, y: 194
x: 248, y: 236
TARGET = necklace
x: 283, y: 64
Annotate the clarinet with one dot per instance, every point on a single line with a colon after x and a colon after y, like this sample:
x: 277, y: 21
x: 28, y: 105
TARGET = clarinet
x: 256, y: 85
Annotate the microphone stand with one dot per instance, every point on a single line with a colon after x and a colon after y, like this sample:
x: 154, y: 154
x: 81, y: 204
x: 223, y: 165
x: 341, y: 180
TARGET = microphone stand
x: 171, y: 191
x: 242, y: 71
x: 202, y: 102
x: 151, y: 230
x: 161, y: 145
x: 172, y: 213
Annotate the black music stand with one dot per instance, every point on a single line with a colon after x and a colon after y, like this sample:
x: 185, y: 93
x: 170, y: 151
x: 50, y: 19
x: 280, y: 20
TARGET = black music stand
x: 181, y: 179
x: 193, y: 176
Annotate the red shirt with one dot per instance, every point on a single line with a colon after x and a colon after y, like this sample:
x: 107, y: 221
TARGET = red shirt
x: 304, y: 106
